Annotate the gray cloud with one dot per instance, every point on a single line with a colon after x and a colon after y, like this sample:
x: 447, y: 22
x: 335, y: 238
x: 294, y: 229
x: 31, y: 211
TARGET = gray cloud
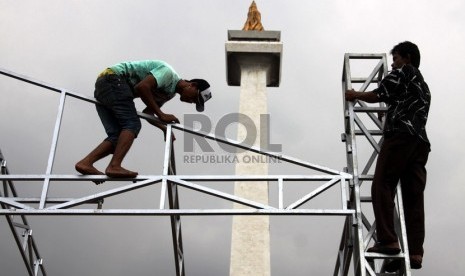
x: 67, y: 43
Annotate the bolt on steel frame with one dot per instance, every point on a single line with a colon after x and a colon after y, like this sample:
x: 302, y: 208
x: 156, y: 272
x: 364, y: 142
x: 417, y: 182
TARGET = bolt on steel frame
x: 169, y: 181
x: 355, y: 241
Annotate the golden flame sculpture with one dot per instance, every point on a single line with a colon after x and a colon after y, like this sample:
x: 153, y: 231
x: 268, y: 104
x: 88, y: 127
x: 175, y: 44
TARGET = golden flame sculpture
x: 254, y: 19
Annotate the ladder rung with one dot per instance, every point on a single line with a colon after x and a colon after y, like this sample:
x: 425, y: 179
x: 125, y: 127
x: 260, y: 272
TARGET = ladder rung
x: 366, y: 177
x: 383, y: 256
x: 372, y: 132
x: 362, y: 80
x: 20, y: 225
x: 365, y: 198
x: 370, y: 109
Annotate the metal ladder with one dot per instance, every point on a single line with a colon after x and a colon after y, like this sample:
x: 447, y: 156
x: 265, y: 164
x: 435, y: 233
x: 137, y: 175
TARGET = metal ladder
x: 361, y: 120
x: 20, y: 228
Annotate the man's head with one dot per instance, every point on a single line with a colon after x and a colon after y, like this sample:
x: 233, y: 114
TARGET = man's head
x: 406, y: 53
x: 196, y: 91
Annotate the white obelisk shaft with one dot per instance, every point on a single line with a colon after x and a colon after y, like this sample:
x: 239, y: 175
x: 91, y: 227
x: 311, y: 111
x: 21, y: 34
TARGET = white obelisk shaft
x: 250, y: 247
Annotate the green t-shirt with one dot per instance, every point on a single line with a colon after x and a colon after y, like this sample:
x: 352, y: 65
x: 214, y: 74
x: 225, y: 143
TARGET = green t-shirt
x: 166, y: 77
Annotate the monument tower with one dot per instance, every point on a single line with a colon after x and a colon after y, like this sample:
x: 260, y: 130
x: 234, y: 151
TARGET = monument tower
x: 253, y: 62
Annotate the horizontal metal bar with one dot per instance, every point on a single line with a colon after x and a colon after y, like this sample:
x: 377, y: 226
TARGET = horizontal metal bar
x: 362, y: 80
x: 116, y: 191
x: 177, y: 212
x: 365, y: 199
x: 64, y: 203
x: 363, y: 56
x: 383, y: 256
x: 370, y: 109
x: 371, y: 132
x: 366, y: 177
x: 210, y: 178
x: 49, y: 200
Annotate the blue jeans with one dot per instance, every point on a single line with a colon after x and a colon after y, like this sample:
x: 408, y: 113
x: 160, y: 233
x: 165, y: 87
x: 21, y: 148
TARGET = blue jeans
x: 116, y: 109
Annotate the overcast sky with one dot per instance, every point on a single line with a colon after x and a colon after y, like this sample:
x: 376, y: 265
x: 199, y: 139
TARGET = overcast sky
x: 67, y: 43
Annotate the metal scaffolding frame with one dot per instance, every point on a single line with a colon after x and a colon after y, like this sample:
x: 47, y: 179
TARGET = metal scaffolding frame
x: 20, y: 228
x: 358, y: 232
x: 355, y: 240
x: 43, y: 205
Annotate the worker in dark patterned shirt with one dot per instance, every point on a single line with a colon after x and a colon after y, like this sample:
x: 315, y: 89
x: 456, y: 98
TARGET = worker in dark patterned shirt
x: 403, y: 154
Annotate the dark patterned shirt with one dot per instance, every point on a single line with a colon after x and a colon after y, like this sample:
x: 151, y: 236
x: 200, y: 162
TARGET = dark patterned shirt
x: 408, y: 98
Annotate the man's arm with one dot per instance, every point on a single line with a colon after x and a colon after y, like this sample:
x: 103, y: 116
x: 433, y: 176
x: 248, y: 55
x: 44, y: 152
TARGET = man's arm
x: 157, y: 123
x: 369, y: 97
x: 144, y: 90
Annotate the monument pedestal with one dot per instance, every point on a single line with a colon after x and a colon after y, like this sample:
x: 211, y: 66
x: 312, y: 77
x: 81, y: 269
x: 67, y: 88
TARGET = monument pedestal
x: 253, y: 61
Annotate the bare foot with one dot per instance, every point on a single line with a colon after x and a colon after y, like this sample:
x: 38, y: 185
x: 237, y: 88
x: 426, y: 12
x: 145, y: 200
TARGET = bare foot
x: 88, y: 170
x: 120, y: 172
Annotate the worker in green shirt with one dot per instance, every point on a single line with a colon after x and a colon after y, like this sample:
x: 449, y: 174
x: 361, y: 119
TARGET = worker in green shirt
x: 155, y: 82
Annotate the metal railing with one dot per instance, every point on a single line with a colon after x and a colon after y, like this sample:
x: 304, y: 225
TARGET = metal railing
x: 169, y: 182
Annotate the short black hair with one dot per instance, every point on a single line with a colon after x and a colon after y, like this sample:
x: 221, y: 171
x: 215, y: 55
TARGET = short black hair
x: 408, y: 49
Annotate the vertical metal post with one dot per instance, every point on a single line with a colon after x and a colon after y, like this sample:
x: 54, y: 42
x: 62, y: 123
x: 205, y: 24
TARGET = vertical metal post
x: 169, y: 168
x: 352, y: 151
x: 166, y: 165
x: 280, y: 194
x: 51, y: 157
